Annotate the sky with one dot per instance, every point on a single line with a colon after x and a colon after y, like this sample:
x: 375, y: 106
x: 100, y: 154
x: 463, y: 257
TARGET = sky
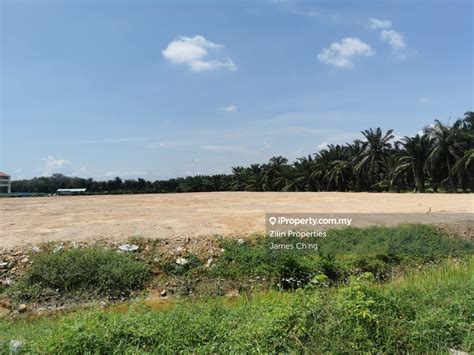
x: 160, y: 89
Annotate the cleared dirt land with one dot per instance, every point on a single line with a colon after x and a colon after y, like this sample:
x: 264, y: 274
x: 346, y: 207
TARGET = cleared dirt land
x: 77, y: 218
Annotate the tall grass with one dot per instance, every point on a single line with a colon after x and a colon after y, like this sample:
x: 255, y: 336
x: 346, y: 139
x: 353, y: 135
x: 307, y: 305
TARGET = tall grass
x: 343, y: 252
x: 93, y: 272
x: 422, y: 312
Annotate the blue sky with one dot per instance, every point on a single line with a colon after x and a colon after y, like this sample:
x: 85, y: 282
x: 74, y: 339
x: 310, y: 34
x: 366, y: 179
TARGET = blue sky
x: 163, y: 89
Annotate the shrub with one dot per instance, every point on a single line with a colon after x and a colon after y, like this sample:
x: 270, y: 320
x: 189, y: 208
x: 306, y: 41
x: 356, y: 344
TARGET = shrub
x: 429, y: 312
x: 243, y: 259
x: 82, y: 271
x: 343, y: 252
x: 176, y: 269
x: 392, y: 243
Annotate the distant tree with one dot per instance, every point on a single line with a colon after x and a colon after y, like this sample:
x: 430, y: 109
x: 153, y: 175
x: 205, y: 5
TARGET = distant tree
x: 412, y: 159
x: 372, y: 162
x: 447, y: 149
x: 239, y: 178
x: 305, y: 179
x: 339, y: 170
x: 442, y: 155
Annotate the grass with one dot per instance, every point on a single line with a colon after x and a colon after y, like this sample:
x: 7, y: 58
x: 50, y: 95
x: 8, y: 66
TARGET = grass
x: 342, y: 253
x: 98, y: 272
x: 91, y: 272
x: 344, y: 298
x: 425, y: 312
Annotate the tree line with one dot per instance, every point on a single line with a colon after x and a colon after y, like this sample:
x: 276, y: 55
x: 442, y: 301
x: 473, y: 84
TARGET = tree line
x: 441, y: 157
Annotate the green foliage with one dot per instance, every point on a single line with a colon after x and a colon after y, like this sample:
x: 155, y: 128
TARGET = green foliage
x: 427, y: 312
x: 343, y: 252
x: 81, y: 271
x: 319, y: 280
x: 173, y: 268
x: 393, y: 242
x: 241, y: 259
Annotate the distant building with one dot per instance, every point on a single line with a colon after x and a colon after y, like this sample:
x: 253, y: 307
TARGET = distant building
x: 70, y: 191
x: 5, y: 182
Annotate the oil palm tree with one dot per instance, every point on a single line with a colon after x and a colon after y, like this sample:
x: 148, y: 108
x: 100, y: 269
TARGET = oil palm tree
x: 275, y: 173
x: 239, y: 178
x: 372, y: 162
x: 305, y: 178
x: 448, y: 148
x: 464, y: 167
x: 255, y: 180
x: 339, y: 172
x: 412, y: 159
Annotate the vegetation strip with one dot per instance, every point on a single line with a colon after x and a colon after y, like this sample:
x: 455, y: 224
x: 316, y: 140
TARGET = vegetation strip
x: 428, y: 311
x: 377, y: 289
x: 440, y: 157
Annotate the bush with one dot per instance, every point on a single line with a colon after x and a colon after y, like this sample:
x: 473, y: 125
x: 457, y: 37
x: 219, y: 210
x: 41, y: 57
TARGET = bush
x: 428, y: 312
x: 173, y: 268
x: 406, y: 240
x: 243, y: 259
x: 82, y: 271
x: 342, y: 253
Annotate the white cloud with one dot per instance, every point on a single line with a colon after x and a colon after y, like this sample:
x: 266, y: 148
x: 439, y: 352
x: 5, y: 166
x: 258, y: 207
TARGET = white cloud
x: 341, y: 54
x: 319, y: 14
x: 230, y: 108
x: 322, y: 146
x: 53, y: 165
x: 376, y: 24
x: 193, y: 51
x: 422, y: 131
x: 394, y: 38
x: 201, y: 65
x: 228, y: 149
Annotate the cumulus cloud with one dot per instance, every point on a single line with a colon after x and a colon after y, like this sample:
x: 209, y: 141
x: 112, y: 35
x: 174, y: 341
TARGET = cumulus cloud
x: 341, y: 54
x: 376, y: 24
x: 193, y: 52
x: 230, y: 108
x: 394, y: 38
x: 53, y: 165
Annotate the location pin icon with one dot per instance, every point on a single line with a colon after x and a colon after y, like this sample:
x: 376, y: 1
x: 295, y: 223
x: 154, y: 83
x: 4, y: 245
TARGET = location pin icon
x: 272, y: 220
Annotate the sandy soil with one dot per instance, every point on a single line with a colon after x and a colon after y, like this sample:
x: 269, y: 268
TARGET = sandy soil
x: 41, y: 219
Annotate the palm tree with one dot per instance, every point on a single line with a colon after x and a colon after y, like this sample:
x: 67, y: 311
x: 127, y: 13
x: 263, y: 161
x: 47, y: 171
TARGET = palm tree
x: 239, y: 178
x: 412, y: 159
x: 305, y: 179
x: 372, y: 161
x: 448, y: 148
x: 255, y: 180
x: 275, y: 177
x: 354, y: 150
x: 339, y: 172
x: 464, y: 167
x: 468, y: 121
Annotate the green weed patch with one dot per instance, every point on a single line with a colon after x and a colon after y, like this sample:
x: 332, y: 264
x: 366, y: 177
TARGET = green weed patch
x: 92, y: 271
